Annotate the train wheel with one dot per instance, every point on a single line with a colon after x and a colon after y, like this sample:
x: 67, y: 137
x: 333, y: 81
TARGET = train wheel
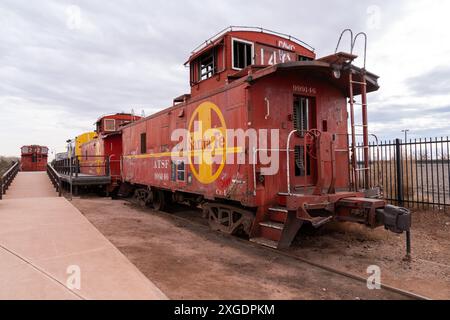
x: 141, y: 196
x: 229, y: 219
x: 159, y: 200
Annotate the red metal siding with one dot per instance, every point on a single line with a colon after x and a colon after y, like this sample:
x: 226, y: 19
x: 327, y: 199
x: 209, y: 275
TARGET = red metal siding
x: 34, y: 158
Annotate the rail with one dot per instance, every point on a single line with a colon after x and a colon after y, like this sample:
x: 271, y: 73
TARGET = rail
x: 288, y: 150
x: 89, y: 165
x: 248, y: 28
x: 413, y: 173
x: 7, y: 178
x: 55, y: 178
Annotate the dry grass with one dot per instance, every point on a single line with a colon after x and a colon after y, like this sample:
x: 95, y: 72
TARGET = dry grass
x: 5, y: 163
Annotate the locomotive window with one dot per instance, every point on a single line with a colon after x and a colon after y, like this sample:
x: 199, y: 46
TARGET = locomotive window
x: 242, y: 54
x: 207, y: 65
x: 301, y: 114
x: 143, y: 143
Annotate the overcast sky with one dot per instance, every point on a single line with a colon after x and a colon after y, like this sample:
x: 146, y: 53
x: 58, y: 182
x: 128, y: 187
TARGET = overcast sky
x: 65, y: 63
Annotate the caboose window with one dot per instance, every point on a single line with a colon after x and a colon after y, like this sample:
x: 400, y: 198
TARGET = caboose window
x: 110, y: 125
x: 301, y: 114
x: 143, y: 143
x: 207, y: 65
x: 181, y: 171
x: 242, y: 54
x: 303, y: 58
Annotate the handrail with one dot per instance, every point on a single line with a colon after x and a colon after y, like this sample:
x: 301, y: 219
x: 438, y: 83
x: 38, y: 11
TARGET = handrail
x: 340, y: 39
x: 72, y: 166
x: 7, y: 178
x: 55, y: 178
x: 242, y: 28
x: 288, y: 150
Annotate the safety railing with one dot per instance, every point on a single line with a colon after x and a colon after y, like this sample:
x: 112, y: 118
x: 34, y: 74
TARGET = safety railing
x: 55, y: 178
x: 306, y: 134
x: 7, y: 178
x: 413, y: 173
x: 249, y: 28
x: 87, y: 165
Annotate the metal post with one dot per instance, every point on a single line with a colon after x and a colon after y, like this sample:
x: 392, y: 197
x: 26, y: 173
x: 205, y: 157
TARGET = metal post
x: 408, y: 245
x: 59, y: 187
x: 400, y: 198
x: 77, y: 167
x: 352, y: 123
x: 365, y: 131
x: 398, y: 160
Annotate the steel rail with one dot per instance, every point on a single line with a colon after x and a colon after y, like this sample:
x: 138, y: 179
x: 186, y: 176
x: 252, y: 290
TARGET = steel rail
x: 386, y: 287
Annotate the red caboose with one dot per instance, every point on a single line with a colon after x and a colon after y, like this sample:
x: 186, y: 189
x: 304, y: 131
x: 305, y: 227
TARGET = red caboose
x: 34, y: 158
x: 101, y: 156
x: 261, y: 141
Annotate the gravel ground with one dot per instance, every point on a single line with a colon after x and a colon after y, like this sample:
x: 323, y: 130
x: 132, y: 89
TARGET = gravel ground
x: 187, y: 261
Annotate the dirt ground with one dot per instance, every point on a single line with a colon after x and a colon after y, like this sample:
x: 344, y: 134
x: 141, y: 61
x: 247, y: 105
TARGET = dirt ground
x: 352, y: 248
x: 187, y: 261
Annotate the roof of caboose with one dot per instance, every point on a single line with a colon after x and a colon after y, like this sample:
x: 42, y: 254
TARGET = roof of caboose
x: 335, y: 73
x: 118, y: 116
x: 43, y: 149
x: 253, y: 34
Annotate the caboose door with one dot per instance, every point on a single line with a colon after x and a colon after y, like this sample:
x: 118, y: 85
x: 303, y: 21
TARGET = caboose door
x: 304, y: 165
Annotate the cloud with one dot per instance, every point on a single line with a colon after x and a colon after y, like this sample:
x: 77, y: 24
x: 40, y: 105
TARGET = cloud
x: 434, y: 82
x: 65, y: 63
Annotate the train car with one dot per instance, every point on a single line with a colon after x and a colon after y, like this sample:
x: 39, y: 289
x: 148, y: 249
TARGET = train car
x: 74, y: 146
x: 82, y: 139
x: 261, y: 142
x: 34, y: 158
x: 101, y: 155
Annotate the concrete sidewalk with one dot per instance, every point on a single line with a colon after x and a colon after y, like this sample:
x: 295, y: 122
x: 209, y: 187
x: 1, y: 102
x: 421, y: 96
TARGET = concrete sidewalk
x: 30, y: 185
x: 46, y: 244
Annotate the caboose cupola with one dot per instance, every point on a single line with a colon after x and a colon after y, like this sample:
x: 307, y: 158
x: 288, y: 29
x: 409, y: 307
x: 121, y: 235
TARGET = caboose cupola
x: 223, y: 58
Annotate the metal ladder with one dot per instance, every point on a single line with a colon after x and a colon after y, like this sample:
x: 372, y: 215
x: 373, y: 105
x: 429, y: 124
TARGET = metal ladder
x: 363, y: 88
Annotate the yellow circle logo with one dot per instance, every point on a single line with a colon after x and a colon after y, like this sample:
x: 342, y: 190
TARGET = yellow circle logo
x: 208, y: 143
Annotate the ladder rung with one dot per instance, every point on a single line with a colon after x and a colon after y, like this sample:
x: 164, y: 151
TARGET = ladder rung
x: 361, y: 125
x: 359, y: 82
x: 362, y: 147
x: 360, y: 104
x: 341, y: 150
x: 363, y: 169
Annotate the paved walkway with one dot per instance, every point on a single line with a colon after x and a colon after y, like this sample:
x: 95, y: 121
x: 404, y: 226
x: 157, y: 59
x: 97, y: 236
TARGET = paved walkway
x: 48, y: 249
x: 30, y: 185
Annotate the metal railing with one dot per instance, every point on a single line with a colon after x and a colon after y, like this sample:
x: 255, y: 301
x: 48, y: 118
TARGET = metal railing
x: 248, y: 28
x: 415, y: 173
x: 7, y: 178
x: 55, y: 178
x: 89, y: 165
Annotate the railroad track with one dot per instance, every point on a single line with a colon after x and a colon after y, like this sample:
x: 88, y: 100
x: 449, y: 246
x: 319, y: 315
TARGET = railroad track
x: 388, y: 288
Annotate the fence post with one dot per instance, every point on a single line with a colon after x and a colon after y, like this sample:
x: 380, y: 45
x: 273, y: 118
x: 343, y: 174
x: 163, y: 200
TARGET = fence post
x: 400, y: 195
x: 77, y: 167
x: 398, y: 160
